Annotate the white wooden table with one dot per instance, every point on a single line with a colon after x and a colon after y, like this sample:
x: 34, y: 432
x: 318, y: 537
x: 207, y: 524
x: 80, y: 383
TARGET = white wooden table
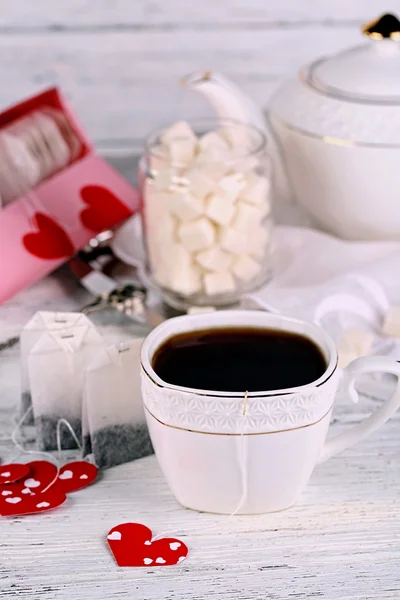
x: 342, y: 541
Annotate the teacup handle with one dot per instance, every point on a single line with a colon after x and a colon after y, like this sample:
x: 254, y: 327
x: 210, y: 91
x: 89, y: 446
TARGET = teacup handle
x: 355, y: 434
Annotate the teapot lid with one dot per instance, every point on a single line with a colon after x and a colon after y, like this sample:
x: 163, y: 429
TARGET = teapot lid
x: 367, y: 73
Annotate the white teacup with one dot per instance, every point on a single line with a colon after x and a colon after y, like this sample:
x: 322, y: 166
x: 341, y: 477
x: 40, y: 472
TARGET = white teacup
x: 213, y: 456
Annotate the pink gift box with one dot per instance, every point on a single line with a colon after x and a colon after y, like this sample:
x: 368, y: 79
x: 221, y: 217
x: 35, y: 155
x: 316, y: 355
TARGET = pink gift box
x: 49, y: 224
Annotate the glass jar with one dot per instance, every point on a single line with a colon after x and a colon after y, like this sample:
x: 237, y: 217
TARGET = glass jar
x: 206, y: 212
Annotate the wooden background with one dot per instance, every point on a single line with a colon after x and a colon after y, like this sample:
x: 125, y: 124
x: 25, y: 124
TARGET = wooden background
x: 120, y: 60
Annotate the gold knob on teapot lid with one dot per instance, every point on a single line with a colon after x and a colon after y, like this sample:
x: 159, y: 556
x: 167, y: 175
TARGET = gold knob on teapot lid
x: 386, y: 26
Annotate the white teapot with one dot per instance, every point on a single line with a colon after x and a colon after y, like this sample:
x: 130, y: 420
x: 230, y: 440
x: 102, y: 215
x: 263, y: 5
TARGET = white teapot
x: 335, y: 133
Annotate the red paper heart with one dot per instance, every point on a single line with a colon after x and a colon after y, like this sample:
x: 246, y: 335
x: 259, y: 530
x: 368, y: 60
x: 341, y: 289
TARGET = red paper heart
x: 16, y: 505
x: 50, y: 241
x: 76, y: 475
x: 40, y: 474
x: 105, y: 210
x: 132, y: 546
x: 12, y: 472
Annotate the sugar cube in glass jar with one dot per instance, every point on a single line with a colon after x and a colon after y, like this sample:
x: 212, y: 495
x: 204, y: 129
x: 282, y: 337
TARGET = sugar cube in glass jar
x: 206, y: 212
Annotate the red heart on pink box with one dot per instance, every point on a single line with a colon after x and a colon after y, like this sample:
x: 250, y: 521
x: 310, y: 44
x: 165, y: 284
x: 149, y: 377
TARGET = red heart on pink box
x: 50, y: 241
x: 132, y: 546
x: 104, y: 209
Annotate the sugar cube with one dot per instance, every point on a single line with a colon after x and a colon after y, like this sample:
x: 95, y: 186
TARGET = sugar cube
x: 214, y: 167
x: 161, y: 274
x: 232, y: 241
x: 256, y: 190
x: 246, y: 268
x: 391, y: 326
x: 197, y: 235
x: 158, y: 159
x: 179, y: 130
x: 214, y: 259
x: 181, y: 142
x: 213, y: 142
x: 353, y: 344
x: 199, y: 310
x: 184, y: 205
x: 182, y: 151
x: 160, y: 239
x: 246, y: 217
x: 219, y: 283
x: 177, y: 272
x: 186, y: 281
x: 220, y: 209
x: 166, y: 179
x: 265, y: 209
x: 213, y: 155
x: 160, y: 225
x: 257, y: 241
x: 156, y: 208
x: 248, y: 163
x: 232, y: 185
x: 200, y: 183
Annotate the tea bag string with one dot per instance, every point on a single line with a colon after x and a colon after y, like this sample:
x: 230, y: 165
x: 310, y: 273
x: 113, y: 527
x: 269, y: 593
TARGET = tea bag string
x: 20, y: 447
x: 242, y: 450
x: 47, y: 455
x: 242, y: 460
x: 67, y: 424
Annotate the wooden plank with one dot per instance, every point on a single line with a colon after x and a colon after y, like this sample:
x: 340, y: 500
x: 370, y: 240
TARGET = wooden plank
x: 175, y: 14
x: 124, y: 85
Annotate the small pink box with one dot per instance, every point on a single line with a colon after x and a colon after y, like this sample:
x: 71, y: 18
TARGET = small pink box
x: 45, y: 227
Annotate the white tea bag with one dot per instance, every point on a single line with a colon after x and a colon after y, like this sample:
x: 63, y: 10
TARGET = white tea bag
x: 57, y: 366
x: 114, y: 406
x: 42, y: 321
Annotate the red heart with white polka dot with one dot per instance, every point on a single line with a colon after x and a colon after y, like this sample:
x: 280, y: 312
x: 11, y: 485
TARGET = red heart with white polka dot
x: 12, y: 472
x: 17, y: 505
x: 39, y: 475
x: 76, y: 475
x: 132, y: 546
x: 30, y: 494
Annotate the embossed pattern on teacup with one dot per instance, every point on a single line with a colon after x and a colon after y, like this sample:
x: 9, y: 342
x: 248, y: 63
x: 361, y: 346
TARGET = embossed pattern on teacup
x: 216, y: 414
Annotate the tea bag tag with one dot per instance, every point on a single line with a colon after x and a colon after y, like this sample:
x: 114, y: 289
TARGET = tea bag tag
x: 70, y: 340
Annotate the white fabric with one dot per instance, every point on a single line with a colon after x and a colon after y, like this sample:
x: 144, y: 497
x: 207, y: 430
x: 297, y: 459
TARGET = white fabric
x: 337, y: 283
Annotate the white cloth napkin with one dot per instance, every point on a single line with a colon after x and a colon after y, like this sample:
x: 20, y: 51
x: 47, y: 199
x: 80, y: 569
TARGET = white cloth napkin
x: 307, y: 257
x: 317, y: 275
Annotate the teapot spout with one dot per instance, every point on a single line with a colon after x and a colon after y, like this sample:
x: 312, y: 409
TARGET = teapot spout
x: 228, y: 101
